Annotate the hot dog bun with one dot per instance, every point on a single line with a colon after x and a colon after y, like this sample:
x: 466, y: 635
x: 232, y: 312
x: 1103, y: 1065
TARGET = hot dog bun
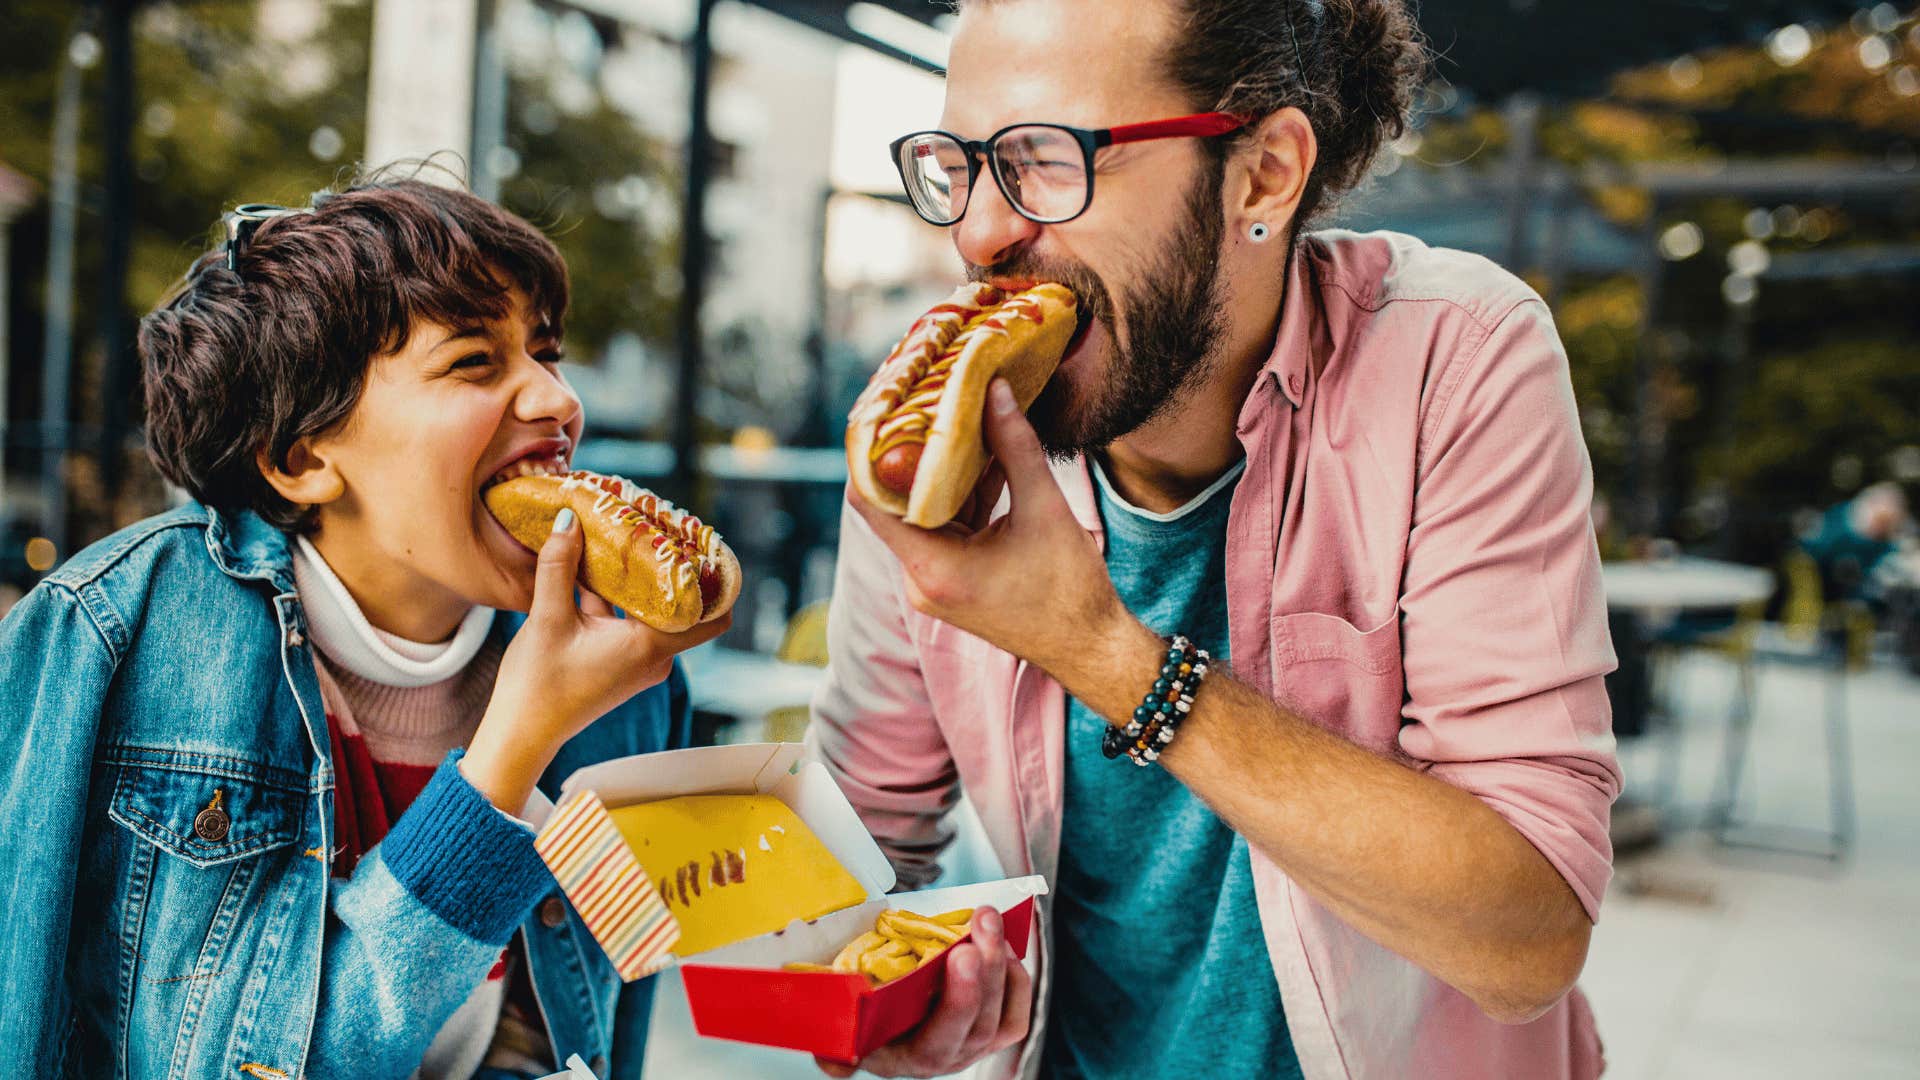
x: 657, y: 563
x: 917, y: 425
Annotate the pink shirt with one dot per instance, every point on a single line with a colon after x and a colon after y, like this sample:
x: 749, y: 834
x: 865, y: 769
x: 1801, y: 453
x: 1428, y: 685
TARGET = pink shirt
x: 1410, y: 565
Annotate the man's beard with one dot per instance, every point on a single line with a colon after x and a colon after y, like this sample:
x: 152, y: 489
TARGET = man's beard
x: 1174, y: 320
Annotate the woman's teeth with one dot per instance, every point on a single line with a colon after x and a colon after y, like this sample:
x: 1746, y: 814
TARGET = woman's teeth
x: 530, y: 466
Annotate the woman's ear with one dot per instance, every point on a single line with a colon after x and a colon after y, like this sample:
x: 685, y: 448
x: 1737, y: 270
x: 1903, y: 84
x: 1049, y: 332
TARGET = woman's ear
x: 309, y: 478
x: 1273, y: 172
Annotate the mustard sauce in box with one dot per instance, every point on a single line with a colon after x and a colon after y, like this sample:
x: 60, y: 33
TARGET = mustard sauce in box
x: 624, y: 830
x: 730, y: 867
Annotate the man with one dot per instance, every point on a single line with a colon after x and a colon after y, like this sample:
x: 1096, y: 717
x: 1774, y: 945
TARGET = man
x: 1853, y: 540
x: 1346, y: 465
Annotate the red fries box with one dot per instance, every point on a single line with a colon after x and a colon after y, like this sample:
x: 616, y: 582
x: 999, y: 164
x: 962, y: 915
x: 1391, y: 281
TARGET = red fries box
x: 738, y: 990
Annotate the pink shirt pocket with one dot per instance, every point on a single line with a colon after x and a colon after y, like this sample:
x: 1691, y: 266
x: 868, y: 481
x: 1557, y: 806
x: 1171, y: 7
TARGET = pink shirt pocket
x: 1341, y: 677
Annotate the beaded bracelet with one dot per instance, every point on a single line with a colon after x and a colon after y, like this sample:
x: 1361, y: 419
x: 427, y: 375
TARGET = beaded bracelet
x: 1115, y: 741
x: 1151, y: 728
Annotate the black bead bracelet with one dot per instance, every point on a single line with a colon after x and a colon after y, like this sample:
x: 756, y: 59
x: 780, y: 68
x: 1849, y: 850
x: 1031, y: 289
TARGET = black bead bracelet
x: 1151, y: 728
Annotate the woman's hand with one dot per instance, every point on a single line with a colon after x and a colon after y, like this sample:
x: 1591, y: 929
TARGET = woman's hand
x: 568, y: 666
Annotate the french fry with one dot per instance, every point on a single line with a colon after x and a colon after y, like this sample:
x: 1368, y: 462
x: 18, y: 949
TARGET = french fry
x: 849, y: 958
x: 898, y: 944
x: 884, y: 969
x: 907, y: 924
x: 926, y: 949
x: 812, y: 969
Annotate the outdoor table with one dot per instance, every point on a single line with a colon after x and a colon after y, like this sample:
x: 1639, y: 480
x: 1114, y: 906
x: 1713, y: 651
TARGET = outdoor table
x: 1647, y: 594
x: 746, y: 685
x: 1655, y: 587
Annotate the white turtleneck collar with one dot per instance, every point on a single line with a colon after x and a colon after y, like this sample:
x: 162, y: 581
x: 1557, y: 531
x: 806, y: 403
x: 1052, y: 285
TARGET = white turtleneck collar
x: 342, y: 632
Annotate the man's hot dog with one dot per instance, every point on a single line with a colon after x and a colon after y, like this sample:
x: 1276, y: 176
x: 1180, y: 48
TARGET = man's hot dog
x: 913, y: 437
x: 652, y: 560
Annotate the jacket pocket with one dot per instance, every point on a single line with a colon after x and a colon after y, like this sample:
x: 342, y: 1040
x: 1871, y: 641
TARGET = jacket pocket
x: 196, y: 903
x: 1340, y: 677
x: 205, y: 816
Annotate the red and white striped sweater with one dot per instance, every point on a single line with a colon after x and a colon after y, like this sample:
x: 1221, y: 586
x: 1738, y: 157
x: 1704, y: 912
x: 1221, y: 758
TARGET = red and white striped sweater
x: 395, y: 708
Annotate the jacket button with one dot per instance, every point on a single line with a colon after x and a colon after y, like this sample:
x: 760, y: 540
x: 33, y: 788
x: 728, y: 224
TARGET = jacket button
x: 1293, y: 384
x: 553, y: 912
x: 211, y: 824
x: 598, y: 1064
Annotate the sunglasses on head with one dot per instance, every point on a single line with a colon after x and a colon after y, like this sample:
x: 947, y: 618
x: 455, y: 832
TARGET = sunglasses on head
x: 240, y: 222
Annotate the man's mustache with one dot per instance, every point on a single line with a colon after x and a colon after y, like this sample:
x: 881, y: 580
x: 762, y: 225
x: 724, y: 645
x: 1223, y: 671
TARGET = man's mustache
x: 1083, y: 283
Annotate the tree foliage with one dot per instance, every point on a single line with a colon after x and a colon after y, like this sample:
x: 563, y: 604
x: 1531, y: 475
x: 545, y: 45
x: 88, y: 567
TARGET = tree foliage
x: 1810, y: 393
x: 265, y: 101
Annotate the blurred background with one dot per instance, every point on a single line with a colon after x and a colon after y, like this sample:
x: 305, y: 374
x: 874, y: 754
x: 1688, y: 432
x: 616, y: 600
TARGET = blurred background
x: 1721, y: 202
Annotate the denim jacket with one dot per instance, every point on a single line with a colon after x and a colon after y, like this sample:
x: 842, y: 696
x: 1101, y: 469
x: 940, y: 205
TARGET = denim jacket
x: 168, y: 799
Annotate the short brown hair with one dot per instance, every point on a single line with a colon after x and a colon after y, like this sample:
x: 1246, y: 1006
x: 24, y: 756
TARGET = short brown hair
x: 278, y: 348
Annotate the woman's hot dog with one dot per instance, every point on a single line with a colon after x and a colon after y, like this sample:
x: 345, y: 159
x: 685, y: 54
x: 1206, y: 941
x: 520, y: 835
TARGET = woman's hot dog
x: 654, y: 561
x: 913, y: 437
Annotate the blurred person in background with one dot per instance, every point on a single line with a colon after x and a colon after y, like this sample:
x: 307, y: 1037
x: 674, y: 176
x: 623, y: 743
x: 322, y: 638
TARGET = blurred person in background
x: 1854, y: 541
x: 1348, y: 466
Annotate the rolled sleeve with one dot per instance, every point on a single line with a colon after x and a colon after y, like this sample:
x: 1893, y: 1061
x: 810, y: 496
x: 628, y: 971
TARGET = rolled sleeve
x: 1503, y: 619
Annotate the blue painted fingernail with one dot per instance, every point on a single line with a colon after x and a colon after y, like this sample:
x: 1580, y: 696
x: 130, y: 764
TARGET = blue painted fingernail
x: 563, y: 520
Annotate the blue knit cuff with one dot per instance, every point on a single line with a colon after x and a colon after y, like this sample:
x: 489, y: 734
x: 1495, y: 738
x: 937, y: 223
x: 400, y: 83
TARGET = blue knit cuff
x: 466, y: 861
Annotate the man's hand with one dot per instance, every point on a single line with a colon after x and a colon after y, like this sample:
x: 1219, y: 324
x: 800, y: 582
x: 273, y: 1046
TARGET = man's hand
x: 1032, y: 581
x: 984, y: 1006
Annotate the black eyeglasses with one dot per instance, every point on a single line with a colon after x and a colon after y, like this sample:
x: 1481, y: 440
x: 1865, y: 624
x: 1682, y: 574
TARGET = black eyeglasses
x: 242, y: 220
x: 1044, y: 170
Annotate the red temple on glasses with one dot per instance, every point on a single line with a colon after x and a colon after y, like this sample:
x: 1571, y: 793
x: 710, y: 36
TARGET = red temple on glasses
x: 1199, y: 125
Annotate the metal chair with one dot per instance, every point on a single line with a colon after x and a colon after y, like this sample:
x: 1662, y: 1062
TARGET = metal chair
x: 1834, y: 638
x: 805, y: 642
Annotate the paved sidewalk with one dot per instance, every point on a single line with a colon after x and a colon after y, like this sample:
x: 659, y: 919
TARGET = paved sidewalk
x: 1716, y: 962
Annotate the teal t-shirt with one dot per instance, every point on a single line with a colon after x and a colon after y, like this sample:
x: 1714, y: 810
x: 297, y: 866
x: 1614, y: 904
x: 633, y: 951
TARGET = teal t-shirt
x: 1160, y: 966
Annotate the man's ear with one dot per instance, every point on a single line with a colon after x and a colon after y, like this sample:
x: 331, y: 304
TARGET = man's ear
x: 1272, y: 170
x: 309, y: 478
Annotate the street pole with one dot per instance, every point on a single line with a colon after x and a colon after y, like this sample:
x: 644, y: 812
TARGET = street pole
x: 120, y: 379
x: 6, y: 308
x: 1523, y: 130
x: 57, y: 355
x: 1645, y: 444
x: 1735, y: 360
x: 693, y: 257
x: 489, y: 104
x: 420, y: 83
